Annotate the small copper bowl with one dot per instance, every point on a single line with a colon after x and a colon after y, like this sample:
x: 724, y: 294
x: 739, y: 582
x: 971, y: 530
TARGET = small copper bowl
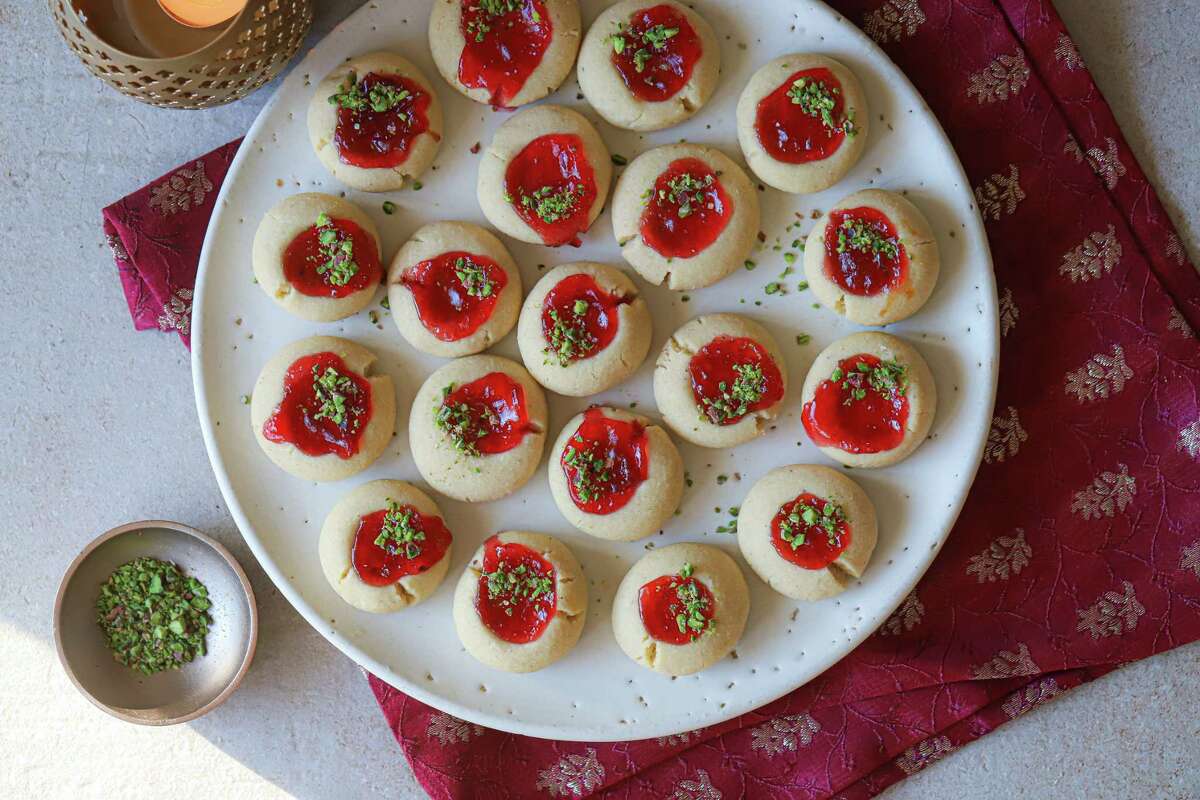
x: 168, y: 697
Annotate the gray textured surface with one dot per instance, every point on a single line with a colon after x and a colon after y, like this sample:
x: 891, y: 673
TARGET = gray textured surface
x: 99, y: 428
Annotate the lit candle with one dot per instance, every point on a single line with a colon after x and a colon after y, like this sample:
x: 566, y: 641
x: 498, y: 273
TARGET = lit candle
x: 202, y: 13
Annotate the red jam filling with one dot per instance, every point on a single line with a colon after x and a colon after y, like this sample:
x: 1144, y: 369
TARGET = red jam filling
x: 505, y: 42
x: 579, y: 319
x: 373, y: 139
x: 732, y: 377
x: 397, y: 541
x: 486, y: 416
x: 687, y: 210
x: 329, y: 268
x: 605, y: 462
x: 551, y: 186
x: 325, y: 407
x: 810, y: 532
x: 861, y: 408
x: 517, y: 597
x: 791, y: 134
x: 676, y: 609
x: 455, y: 292
x: 863, y: 252
x: 655, y: 53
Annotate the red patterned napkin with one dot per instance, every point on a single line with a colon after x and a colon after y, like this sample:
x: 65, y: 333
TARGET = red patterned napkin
x: 1078, y: 549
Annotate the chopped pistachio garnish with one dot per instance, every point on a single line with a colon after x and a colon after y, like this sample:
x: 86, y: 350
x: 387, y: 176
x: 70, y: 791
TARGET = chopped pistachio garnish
x: 687, y: 192
x: 331, y: 388
x: 854, y: 234
x: 389, y: 207
x: 888, y: 379
x: 619, y: 159
x: 474, y: 278
x: 513, y: 586
x: 398, y: 532
x: 818, y: 100
x: 550, y: 205
x: 592, y: 470
x: 735, y: 400
x: 569, y: 336
x: 794, y: 528
x: 650, y: 41
x: 337, y: 250
x: 380, y: 98
x: 803, y: 338
x: 152, y: 616
x: 479, y: 28
x: 732, y: 525
x: 460, y: 423
x: 691, y: 620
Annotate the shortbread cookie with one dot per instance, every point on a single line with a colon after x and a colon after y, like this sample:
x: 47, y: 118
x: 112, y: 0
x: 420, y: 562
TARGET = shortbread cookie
x: 320, y: 412
x: 504, y: 52
x: 807, y: 531
x: 615, y: 475
x: 375, y: 121
x: 454, y: 289
x: 477, y: 428
x: 681, y: 608
x: 869, y: 400
x: 545, y: 176
x: 649, y: 65
x: 802, y: 122
x: 720, y: 380
x: 318, y: 256
x: 583, y: 329
x: 385, y: 547
x: 521, y: 603
x: 685, y: 215
x: 872, y: 258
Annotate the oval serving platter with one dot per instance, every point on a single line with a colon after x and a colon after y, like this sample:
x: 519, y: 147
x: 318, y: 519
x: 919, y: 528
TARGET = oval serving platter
x: 596, y: 693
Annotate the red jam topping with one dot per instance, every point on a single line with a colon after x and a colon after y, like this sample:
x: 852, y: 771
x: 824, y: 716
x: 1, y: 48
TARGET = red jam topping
x: 333, y: 258
x: 687, y: 210
x: 863, y: 252
x: 325, y: 407
x: 486, y: 416
x: 605, y: 462
x: 579, y: 319
x: 552, y: 187
x: 378, y: 119
x: 505, y: 42
x: 455, y: 292
x: 804, y: 119
x: 733, y: 377
x: 861, y: 408
x: 517, y: 597
x: 655, y: 53
x: 810, y: 532
x: 676, y: 609
x: 397, y: 541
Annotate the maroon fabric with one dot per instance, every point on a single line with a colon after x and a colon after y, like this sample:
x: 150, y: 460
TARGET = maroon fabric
x: 1078, y: 548
x: 155, y: 235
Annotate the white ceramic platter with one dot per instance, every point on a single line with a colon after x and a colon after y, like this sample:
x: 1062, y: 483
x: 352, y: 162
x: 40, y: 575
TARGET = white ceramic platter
x: 596, y: 693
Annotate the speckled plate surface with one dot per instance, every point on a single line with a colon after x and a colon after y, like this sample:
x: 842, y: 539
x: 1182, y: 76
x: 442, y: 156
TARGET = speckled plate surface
x: 596, y: 693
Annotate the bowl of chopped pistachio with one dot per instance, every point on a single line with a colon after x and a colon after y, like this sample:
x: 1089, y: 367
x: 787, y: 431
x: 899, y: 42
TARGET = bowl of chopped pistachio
x: 155, y: 623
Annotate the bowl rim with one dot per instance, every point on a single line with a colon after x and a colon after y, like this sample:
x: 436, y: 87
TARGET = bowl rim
x: 179, y: 527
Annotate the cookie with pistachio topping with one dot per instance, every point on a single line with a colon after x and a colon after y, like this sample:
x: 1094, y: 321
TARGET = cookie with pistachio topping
x: 720, y: 380
x: 583, y: 328
x: 320, y: 411
x: 385, y: 547
x: 545, y: 176
x: 318, y: 256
